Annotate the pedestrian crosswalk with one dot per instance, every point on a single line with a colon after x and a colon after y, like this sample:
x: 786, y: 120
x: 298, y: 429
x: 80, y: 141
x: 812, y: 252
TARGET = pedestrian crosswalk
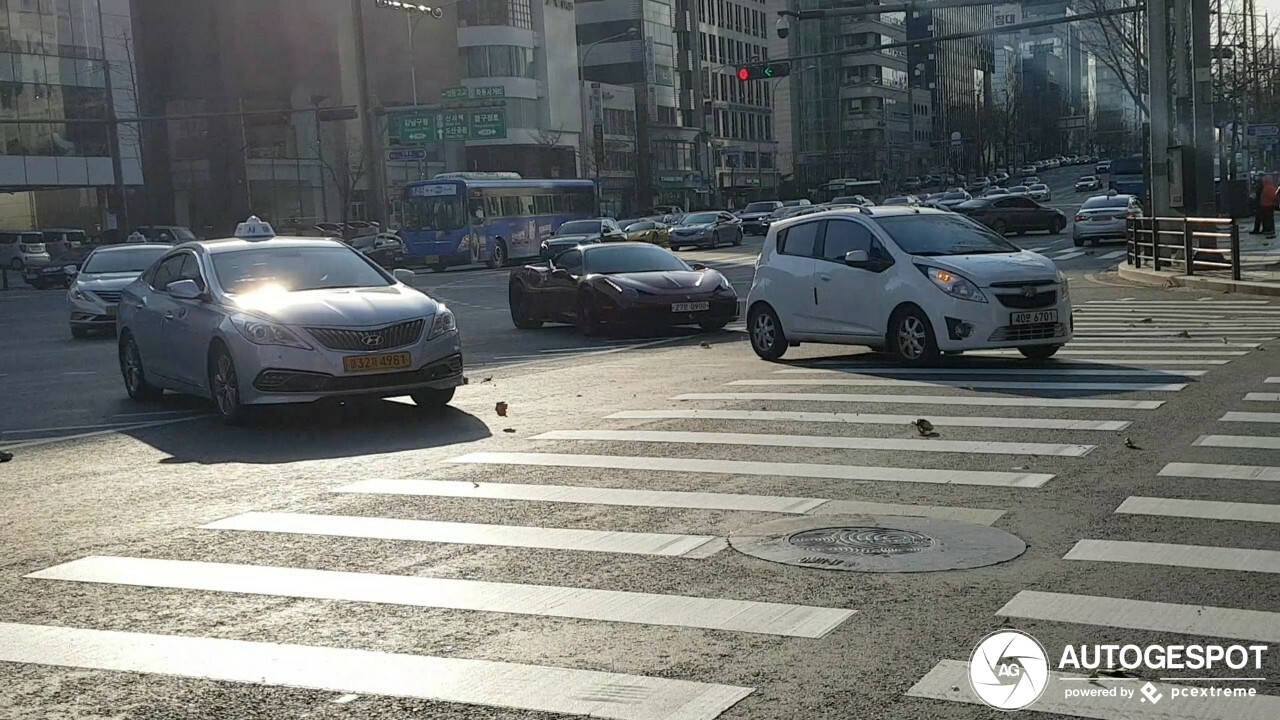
x: 823, y: 438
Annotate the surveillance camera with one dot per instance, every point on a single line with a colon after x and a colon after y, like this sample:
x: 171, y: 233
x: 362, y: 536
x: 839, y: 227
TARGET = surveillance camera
x: 784, y: 27
x: 437, y: 13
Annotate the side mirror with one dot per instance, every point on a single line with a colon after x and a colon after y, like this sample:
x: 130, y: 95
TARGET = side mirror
x: 404, y: 276
x: 185, y: 290
x: 698, y: 266
x: 561, y: 274
x: 856, y: 257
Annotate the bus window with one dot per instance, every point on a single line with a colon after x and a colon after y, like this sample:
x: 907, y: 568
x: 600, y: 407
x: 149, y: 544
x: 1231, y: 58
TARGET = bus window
x: 510, y: 206
x: 477, y: 210
x: 561, y: 204
x: 495, y: 207
x: 526, y: 205
x: 584, y: 202
x: 435, y: 213
x: 542, y: 205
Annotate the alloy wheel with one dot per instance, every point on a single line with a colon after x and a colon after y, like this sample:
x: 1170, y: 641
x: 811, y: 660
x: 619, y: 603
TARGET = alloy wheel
x: 912, y: 337
x: 226, y: 392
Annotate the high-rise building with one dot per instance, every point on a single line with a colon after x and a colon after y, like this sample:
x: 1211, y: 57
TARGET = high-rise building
x: 730, y: 33
x: 1058, y: 79
x: 56, y: 162
x: 850, y: 113
x: 957, y: 75
x: 655, y: 60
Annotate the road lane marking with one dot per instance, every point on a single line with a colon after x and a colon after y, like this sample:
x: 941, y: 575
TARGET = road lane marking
x: 1179, y: 303
x: 1261, y: 417
x: 1239, y: 441
x: 488, y: 683
x: 1144, y: 615
x: 380, y: 528
x: 949, y: 681
x: 1067, y: 254
x: 1272, y: 380
x: 1131, y: 351
x: 1262, y: 397
x: 1038, y: 402
x: 1112, y: 361
x: 1189, y: 556
x: 1207, y: 509
x: 966, y: 384
x: 1221, y: 472
x: 872, y: 419
x: 985, y: 447
x: 1113, y: 255
x: 1192, y: 333
x: 746, y: 467
x: 641, y: 608
x: 663, y: 498
x: 957, y: 370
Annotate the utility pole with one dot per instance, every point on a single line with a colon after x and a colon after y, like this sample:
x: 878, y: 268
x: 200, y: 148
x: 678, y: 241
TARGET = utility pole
x: 113, y: 134
x: 1202, y: 111
x: 1158, y: 104
x: 376, y: 208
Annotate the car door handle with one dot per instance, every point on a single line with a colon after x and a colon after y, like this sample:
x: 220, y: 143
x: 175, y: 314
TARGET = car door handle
x: 168, y: 315
x: 825, y: 276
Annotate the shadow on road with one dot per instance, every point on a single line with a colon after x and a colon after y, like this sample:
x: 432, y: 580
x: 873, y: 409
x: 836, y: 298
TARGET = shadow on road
x: 314, y: 432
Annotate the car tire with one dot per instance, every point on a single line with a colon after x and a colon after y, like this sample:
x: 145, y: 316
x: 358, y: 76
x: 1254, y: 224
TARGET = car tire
x: 1078, y: 242
x: 765, y: 331
x: 439, y: 267
x: 499, y: 256
x: 16, y: 264
x: 738, y: 239
x: 79, y: 333
x: 1039, y: 352
x: 999, y: 226
x: 585, y: 320
x: 224, y: 386
x: 910, y: 337
x: 1057, y: 226
x: 431, y: 399
x: 712, y: 325
x: 135, y: 377
x: 519, y: 312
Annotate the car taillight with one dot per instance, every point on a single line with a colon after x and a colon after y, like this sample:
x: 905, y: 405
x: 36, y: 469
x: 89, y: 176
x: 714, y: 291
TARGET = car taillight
x: 1129, y: 216
x: 1079, y: 218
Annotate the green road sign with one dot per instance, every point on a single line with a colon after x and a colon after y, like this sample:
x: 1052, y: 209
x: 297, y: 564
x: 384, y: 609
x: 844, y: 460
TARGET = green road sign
x: 453, y: 126
x: 412, y: 129
x: 455, y: 93
x: 495, y: 91
x: 489, y: 124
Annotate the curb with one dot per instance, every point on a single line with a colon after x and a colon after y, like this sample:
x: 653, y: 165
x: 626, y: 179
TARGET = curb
x: 1168, y: 279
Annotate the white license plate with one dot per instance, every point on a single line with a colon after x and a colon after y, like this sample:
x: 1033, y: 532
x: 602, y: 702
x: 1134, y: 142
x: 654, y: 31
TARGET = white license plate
x: 689, y: 307
x: 1033, y: 318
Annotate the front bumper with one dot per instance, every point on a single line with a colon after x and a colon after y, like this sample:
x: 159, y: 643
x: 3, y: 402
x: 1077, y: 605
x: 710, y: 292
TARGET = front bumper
x: 658, y: 313
x: 271, y: 374
x: 91, y: 314
x: 1097, y: 230
x: 961, y: 325
x: 702, y: 238
x: 754, y: 227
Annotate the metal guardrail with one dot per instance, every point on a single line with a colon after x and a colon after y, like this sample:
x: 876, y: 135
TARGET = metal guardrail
x: 1183, y: 244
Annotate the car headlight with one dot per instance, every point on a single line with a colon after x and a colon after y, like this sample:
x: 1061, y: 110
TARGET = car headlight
x: 725, y: 284
x: 264, y: 332
x: 444, y: 323
x: 1066, y: 287
x: 628, y: 292
x: 953, y: 284
x: 78, y: 294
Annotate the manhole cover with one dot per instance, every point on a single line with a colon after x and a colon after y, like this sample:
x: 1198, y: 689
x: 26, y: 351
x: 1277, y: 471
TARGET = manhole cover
x: 878, y: 544
x: 861, y: 540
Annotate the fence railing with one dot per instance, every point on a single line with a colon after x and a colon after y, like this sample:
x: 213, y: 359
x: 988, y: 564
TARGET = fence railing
x: 1184, y: 244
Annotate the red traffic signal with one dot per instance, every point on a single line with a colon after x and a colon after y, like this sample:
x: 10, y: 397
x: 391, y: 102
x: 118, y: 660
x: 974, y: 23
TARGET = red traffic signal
x: 744, y: 74
x: 763, y: 71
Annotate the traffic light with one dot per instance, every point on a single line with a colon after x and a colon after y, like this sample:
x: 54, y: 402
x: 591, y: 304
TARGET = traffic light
x: 763, y: 71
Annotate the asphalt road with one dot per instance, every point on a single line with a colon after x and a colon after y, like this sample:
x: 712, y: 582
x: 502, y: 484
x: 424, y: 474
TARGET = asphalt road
x: 179, y: 569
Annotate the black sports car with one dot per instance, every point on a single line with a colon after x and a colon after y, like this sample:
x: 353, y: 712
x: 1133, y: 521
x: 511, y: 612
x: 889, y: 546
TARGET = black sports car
x: 60, y: 271
x: 620, y: 285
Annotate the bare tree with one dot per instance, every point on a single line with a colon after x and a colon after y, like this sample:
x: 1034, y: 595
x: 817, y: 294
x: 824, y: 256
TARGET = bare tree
x: 1118, y: 43
x: 347, y: 166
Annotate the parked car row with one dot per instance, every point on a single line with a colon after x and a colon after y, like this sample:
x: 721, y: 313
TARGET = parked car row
x: 50, y: 257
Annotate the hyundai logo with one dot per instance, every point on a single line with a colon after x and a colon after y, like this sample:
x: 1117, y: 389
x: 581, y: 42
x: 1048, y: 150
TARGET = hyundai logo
x: 372, y: 341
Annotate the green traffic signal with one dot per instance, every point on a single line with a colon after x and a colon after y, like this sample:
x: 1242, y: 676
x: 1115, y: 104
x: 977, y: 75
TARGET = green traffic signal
x: 763, y: 71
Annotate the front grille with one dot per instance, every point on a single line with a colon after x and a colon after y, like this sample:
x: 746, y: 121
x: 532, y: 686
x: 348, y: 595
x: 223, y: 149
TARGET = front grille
x: 297, y: 381
x: 387, y: 338
x: 108, y: 296
x: 1038, y: 331
x: 1022, y: 302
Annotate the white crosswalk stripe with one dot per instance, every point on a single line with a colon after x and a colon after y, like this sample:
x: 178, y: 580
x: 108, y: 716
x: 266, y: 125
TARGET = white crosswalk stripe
x: 1191, y: 556
x: 776, y: 416
x: 1054, y: 371
x: 1239, y: 441
x: 968, y: 384
x: 1038, y: 402
x: 1144, y: 615
x: 1208, y: 509
x: 1258, y: 417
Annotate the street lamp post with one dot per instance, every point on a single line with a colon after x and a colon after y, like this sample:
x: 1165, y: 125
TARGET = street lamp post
x: 598, y: 157
x: 413, y: 12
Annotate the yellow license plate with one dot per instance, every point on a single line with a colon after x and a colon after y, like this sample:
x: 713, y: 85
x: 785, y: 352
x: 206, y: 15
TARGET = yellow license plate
x: 376, y: 363
x: 430, y: 259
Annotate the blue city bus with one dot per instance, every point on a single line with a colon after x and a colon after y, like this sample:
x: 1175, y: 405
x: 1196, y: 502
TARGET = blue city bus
x: 466, y: 218
x: 1127, y: 176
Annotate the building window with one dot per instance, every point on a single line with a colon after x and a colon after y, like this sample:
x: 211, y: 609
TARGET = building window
x: 496, y: 61
x: 515, y: 13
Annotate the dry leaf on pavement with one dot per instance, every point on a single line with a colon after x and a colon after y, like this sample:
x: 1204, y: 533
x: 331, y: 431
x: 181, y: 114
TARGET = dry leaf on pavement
x: 501, y: 409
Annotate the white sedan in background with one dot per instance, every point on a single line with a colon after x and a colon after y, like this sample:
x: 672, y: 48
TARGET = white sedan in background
x: 258, y: 320
x: 95, y: 292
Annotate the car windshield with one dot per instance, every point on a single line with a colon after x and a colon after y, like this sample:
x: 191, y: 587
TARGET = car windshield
x: 580, y: 227
x: 74, y: 256
x: 1119, y: 201
x: 293, y: 269
x: 123, y: 260
x: 943, y: 234
x: 699, y: 219
x: 1039, y: 187
x: 1086, y: 179
x: 757, y: 207
x: 896, y: 201
x: 361, y: 243
x: 636, y: 227
x: 175, y: 234
x: 955, y: 196
x: 606, y: 260
x: 1018, y: 189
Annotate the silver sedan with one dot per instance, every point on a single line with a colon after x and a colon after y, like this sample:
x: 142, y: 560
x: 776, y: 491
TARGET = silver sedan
x: 1104, y: 217
x: 259, y: 320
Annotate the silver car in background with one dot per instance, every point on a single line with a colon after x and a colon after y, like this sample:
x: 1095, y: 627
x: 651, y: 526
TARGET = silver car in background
x: 259, y: 320
x: 1104, y: 217
x: 95, y: 290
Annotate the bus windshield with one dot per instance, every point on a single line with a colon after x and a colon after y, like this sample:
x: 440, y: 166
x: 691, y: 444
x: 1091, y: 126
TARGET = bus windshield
x: 435, y: 213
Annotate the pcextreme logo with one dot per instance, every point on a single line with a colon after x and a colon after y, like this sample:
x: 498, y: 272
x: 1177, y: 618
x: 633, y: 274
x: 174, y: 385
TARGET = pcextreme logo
x: 1009, y: 670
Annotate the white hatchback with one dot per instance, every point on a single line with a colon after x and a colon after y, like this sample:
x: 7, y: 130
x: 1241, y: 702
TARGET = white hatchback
x: 913, y: 281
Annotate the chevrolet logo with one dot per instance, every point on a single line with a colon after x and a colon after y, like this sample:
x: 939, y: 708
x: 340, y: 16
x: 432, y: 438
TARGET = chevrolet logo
x: 1029, y: 291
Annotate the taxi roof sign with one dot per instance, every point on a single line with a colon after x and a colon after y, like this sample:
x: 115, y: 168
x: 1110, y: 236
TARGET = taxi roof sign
x: 254, y: 228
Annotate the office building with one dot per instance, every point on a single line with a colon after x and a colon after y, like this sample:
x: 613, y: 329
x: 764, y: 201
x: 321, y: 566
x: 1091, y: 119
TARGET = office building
x: 608, y: 149
x: 57, y: 170
x: 957, y: 75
